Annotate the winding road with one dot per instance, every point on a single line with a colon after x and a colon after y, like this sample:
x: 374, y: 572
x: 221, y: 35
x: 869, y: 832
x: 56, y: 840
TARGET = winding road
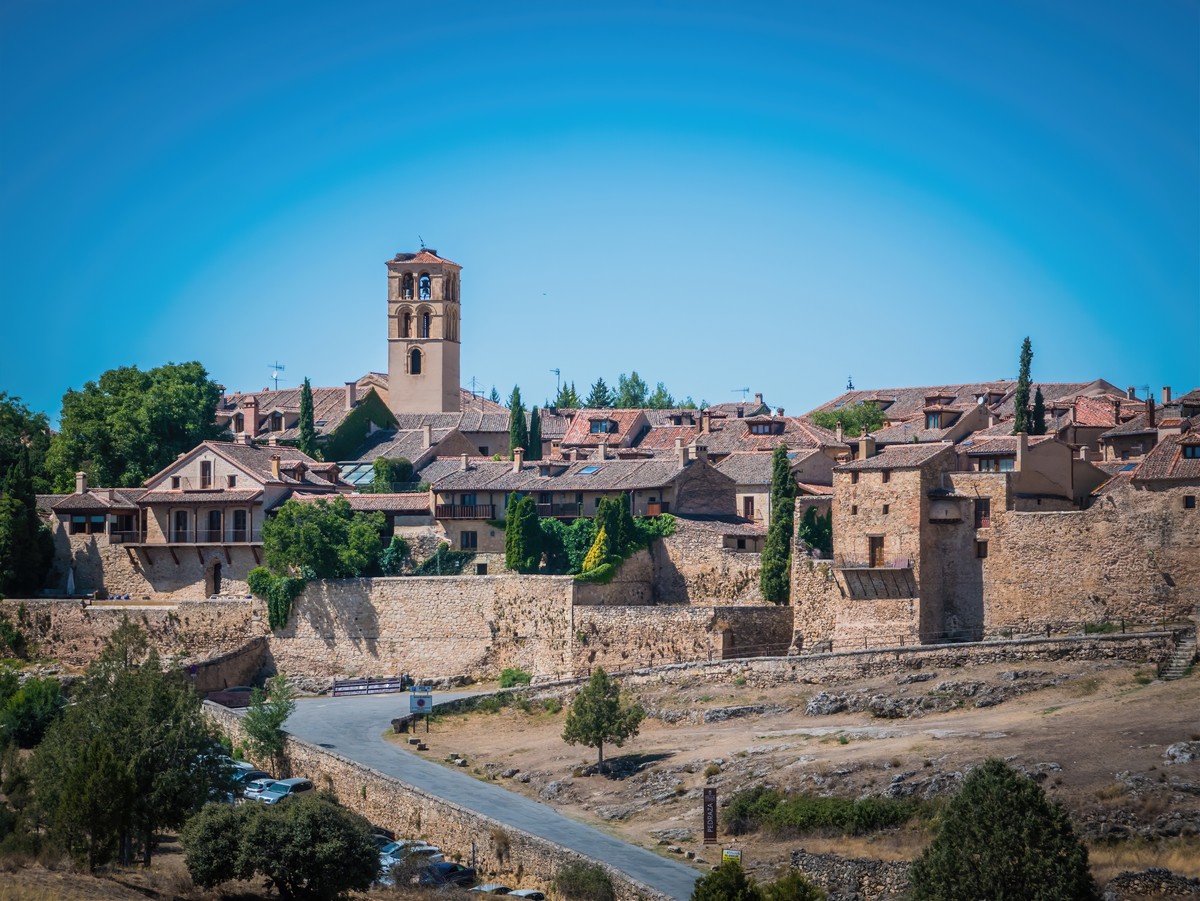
x: 354, y: 728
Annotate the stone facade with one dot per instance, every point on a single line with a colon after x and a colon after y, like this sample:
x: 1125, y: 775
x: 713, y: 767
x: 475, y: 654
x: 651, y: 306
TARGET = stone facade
x: 693, y: 567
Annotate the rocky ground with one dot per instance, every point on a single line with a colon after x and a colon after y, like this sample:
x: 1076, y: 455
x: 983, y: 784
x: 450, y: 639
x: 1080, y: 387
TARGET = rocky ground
x: 1120, y: 749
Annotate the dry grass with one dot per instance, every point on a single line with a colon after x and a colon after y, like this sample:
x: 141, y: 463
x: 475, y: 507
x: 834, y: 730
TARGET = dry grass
x: 1178, y: 855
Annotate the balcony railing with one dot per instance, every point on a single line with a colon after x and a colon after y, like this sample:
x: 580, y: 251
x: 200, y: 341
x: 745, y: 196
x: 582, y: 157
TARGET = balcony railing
x: 841, y: 561
x: 188, y: 536
x: 561, y: 511
x: 465, y: 511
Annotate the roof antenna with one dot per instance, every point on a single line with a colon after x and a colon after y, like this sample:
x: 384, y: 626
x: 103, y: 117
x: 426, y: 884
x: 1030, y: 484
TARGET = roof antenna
x: 849, y: 383
x: 422, y: 240
x: 743, y: 391
x: 276, y: 368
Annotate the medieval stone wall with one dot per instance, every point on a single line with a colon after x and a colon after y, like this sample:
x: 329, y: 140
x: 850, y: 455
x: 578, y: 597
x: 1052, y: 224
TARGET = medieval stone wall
x: 691, y: 567
x: 855, y: 877
x: 632, y: 585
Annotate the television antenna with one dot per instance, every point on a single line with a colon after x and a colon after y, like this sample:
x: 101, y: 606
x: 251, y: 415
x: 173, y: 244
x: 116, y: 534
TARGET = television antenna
x: 557, y: 380
x: 849, y: 383
x: 745, y: 392
x: 422, y: 240
x: 276, y: 368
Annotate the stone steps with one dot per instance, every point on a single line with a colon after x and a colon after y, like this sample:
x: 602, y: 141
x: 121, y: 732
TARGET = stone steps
x: 1185, y: 654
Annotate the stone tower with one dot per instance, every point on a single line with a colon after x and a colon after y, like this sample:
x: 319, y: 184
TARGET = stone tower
x: 423, y: 338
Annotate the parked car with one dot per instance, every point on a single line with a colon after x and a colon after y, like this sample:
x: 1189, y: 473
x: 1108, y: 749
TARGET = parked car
x: 446, y: 872
x: 530, y: 893
x: 285, y: 788
x: 491, y: 888
x: 255, y: 787
x: 394, y: 852
x: 245, y: 777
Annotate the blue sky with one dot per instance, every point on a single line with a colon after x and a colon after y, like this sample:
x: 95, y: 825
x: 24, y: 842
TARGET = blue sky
x: 772, y: 196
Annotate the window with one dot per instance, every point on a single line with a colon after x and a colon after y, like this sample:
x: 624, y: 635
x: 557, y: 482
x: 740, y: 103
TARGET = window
x: 995, y: 464
x: 748, y: 507
x: 981, y: 550
x: 886, y: 475
x: 1192, y: 451
x: 854, y: 509
x: 276, y: 422
x: 174, y: 483
x: 406, y: 323
x: 1189, y: 502
x: 468, y: 500
x: 875, y: 551
x: 406, y: 286
x: 426, y: 319
x: 468, y: 541
x: 854, y: 478
x: 239, y: 526
x: 983, y: 512
x: 180, y: 532
x: 741, y: 544
x: 206, y: 475
x: 597, y: 501
x: 414, y: 362
x: 603, y: 427
x: 588, y: 471
x: 483, y: 450
x: 933, y: 420
x: 231, y: 481
x: 239, y: 422
x: 887, y: 508
x: 425, y: 286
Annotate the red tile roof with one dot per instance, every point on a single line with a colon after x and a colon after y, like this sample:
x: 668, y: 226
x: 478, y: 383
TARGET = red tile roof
x: 898, y: 456
x: 629, y: 427
x: 1166, y: 461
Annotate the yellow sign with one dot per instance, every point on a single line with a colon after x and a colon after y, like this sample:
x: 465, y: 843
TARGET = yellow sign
x: 734, y: 854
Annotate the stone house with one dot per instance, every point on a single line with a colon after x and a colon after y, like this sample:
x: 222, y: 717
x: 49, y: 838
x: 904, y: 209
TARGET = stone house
x: 752, y: 472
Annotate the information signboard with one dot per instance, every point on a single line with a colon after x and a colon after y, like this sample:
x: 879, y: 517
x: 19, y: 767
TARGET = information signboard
x: 420, y: 699
x: 733, y: 854
x: 710, y: 816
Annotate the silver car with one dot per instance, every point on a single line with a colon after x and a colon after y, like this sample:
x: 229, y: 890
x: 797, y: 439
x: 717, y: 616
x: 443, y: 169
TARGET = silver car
x: 285, y: 788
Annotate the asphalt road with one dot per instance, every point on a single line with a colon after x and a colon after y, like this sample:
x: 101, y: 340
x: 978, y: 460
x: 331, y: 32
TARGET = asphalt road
x: 354, y: 726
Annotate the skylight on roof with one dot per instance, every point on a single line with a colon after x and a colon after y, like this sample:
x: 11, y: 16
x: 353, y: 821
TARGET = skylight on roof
x: 839, y: 403
x: 589, y: 470
x: 1129, y: 467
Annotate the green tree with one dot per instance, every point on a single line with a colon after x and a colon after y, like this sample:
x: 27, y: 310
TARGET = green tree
x: 600, y: 715
x: 855, y: 420
x: 391, y: 561
x: 631, y: 391
x: 1037, y: 422
x: 1000, y: 838
x: 494, y: 396
x: 567, y: 397
x: 522, y: 535
x: 133, y: 756
x: 324, y: 539
x: 599, y: 397
x: 263, y: 723
x: 1021, y: 421
x: 581, y: 881
x: 26, y: 547
x: 535, y: 436
x: 728, y: 882
x: 518, y: 429
x: 660, y: 398
x: 30, y: 710
x: 131, y: 424
x: 791, y: 886
x: 388, y: 472
x: 308, y: 428
x: 22, y: 430
x: 775, y: 573
x: 816, y: 530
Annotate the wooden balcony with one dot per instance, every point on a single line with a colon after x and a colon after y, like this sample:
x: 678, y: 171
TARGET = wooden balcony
x: 560, y: 511
x: 465, y: 511
x: 186, y: 537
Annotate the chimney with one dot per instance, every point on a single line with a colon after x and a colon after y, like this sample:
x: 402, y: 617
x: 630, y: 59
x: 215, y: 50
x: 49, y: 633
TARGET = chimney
x: 81, y: 483
x: 426, y: 436
x: 351, y: 395
x: 275, y: 466
x: 758, y: 398
x: 1022, y: 450
x: 1150, y: 412
x: 866, y: 447
x: 464, y: 462
x: 518, y: 459
x: 273, y: 441
x: 1131, y: 392
x: 991, y: 419
x: 702, y: 453
x: 1116, y: 405
x: 602, y: 450
x: 1166, y: 394
x: 250, y: 415
x: 779, y: 411
x: 841, y: 434
x: 1085, y: 453
x: 705, y: 422
x: 681, y: 456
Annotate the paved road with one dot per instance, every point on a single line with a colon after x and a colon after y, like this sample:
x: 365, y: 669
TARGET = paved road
x: 353, y: 727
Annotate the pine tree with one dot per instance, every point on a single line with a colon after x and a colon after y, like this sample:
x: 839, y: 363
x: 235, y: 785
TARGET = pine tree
x: 308, y: 429
x: 494, y: 397
x: 535, y: 435
x: 518, y: 429
x: 26, y: 546
x: 660, y: 398
x: 631, y: 391
x: 522, y: 535
x: 1038, y: 425
x: 1021, y: 395
x: 600, y: 397
x: 567, y: 397
x: 599, y: 715
x: 775, y: 572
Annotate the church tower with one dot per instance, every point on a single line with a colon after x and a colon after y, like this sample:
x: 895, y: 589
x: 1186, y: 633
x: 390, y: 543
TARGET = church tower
x: 423, y: 339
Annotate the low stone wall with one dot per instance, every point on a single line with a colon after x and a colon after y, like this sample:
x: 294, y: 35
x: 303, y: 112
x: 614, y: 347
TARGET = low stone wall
x: 501, y: 852
x: 632, y: 585
x: 66, y: 631
x: 237, y: 667
x: 854, y: 877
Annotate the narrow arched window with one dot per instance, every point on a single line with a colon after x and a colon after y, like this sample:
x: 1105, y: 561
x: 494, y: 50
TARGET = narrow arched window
x: 426, y: 319
x: 414, y: 364
x: 426, y: 287
x: 239, y: 422
x: 406, y: 324
x: 406, y: 286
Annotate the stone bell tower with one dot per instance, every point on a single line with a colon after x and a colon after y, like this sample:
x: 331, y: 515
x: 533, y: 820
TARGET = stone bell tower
x: 423, y: 339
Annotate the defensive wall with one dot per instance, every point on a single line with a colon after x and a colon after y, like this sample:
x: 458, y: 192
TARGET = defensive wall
x: 501, y: 852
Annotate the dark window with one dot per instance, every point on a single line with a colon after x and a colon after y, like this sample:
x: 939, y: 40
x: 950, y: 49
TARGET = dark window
x: 983, y: 512
x: 406, y: 286
x: 887, y: 508
x: 854, y: 478
x: 78, y: 524
x: 239, y: 526
x: 886, y: 475
x: 875, y: 550
x: 239, y: 422
x: 276, y: 422
x: 1192, y: 451
x: 748, y: 507
x: 206, y: 478
x: 230, y: 481
x: 468, y: 541
x: 406, y: 323
x: 1189, y: 502
x: 425, y: 287
x: 981, y: 549
x: 603, y: 427
x: 932, y: 421
x: 426, y: 319
x: 741, y: 544
x: 180, y: 532
x: 414, y: 362
x: 854, y: 509
x: 483, y: 450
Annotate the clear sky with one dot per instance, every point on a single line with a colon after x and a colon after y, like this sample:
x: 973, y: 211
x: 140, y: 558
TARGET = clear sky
x: 763, y: 195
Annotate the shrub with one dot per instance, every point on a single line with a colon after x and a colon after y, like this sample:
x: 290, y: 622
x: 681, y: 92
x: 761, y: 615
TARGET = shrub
x: 785, y: 817
x: 728, y: 882
x: 444, y: 562
x: 598, y: 552
x: 391, y: 561
x: 602, y: 574
x: 552, y: 705
x: 712, y: 770
x: 513, y: 676
x: 489, y: 704
x: 278, y: 591
x: 791, y: 886
x: 578, y: 881
x: 28, y: 713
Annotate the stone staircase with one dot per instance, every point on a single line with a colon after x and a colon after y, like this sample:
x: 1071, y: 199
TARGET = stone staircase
x: 1185, y: 654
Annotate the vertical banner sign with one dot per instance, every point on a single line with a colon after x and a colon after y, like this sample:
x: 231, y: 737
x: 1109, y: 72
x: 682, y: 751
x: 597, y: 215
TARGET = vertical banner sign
x: 710, y: 816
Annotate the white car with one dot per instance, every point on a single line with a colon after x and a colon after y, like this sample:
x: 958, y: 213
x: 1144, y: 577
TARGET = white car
x: 491, y: 888
x: 530, y: 893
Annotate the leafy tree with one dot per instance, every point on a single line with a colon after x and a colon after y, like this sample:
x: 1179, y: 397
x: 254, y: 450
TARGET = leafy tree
x: 775, y: 573
x: 728, y: 882
x: 599, y: 397
x: 580, y: 881
x: 599, y: 715
x: 22, y: 430
x: 1001, y: 838
x: 322, y: 540
x: 660, y: 398
x: 28, y: 712
x: 131, y: 424
x: 26, y: 548
x: 855, y: 420
x: 494, y: 396
x: 566, y: 545
x: 816, y: 530
x: 263, y: 723
x: 534, y: 451
x: 522, y: 535
x: 309, y: 849
x: 631, y: 391
x: 388, y: 472
x: 567, y: 397
x: 1021, y: 421
x: 133, y: 756
x: 518, y: 430
x: 308, y: 429
x: 687, y: 403
x: 1037, y: 423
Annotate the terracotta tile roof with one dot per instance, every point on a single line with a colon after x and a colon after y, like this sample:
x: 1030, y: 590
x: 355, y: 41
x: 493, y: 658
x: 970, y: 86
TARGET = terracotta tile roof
x: 100, y: 499
x: 661, y: 439
x: 607, y: 475
x: 731, y: 435
x: 721, y: 525
x: 1094, y: 411
x: 1166, y: 460
x: 739, y: 410
x: 47, y: 501
x: 218, y: 496
x: 1191, y: 399
x: 329, y: 410
x: 756, y: 468
x: 467, y: 421
x: 1138, y: 425
x: 630, y: 424
x: 1118, y: 480
x: 1007, y: 444
x: 394, y: 443
x: 410, y: 503
x: 898, y: 456
x: 424, y: 255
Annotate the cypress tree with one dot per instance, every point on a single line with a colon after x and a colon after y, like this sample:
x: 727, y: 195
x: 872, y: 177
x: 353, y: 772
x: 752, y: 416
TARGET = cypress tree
x: 775, y: 573
x: 308, y: 429
x: 531, y: 536
x: 1021, y: 396
x: 518, y: 430
x: 1038, y: 425
x: 514, y: 548
x: 534, y: 448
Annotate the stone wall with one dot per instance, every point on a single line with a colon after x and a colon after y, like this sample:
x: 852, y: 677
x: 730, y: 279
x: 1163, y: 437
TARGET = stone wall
x: 66, y: 631
x: 428, y: 626
x: 237, y: 667
x: 632, y: 586
x: 502, y: 853
x: 691, y: 567
x: 854, y: 877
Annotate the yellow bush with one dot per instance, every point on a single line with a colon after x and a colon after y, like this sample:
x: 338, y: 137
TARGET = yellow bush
x: 597, y: 553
